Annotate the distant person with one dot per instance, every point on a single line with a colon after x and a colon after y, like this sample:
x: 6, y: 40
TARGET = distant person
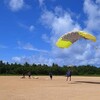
x: 51, y: 75
x: 29, y: 74
x: 23, y: 74
x: 68, y: 75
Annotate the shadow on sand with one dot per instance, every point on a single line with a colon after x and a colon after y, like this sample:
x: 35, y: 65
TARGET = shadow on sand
x: 89, y: 82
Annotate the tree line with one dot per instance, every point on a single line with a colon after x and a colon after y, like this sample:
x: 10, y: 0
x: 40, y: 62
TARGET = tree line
x: 39, y: 69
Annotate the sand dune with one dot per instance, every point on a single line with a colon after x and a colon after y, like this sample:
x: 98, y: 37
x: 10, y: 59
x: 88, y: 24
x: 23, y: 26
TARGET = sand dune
x: 80, y: 88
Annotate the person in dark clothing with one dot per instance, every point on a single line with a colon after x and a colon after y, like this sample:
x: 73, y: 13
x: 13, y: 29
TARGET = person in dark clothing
x: 50, y: 74
x: 29, y: 74
x: 68, y: 75
x: 23, y: 74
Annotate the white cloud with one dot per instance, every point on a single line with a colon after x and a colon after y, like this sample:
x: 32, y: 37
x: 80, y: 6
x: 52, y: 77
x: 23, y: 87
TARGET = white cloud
x: 22, y: 59
x: 33, y: 59
x: 98, y: 1
x: 28, y: 27
x: 28, y: 46
x: 46, y: 38
x: 92, y: 9
x: 60, y: 22
x: 16, y: 5
x: 41, y: 2
x: 31, y: 28
x: 16, y: 59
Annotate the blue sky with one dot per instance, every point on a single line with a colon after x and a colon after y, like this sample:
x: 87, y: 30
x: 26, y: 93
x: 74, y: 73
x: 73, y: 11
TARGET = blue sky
x: 29, y: 30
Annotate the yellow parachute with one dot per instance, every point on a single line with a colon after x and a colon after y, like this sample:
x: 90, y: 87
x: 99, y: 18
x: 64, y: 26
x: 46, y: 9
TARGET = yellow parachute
x: 68, y: 39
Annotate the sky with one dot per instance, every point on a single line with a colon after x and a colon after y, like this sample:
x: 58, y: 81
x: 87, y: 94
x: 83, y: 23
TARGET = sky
x: 29, y: 30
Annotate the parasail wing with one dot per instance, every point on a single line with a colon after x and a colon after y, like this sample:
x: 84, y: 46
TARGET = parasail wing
x: 87, y: 36
x: 68, y: 39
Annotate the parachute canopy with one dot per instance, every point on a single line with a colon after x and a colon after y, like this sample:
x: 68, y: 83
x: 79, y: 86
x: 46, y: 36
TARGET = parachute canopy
x: 68, y: 39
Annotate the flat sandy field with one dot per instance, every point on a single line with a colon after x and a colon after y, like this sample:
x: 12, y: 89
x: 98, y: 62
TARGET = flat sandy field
x: 80, y: 88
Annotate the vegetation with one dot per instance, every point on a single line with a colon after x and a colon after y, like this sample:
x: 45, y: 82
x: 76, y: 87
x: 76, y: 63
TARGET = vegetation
x: 18, y: 69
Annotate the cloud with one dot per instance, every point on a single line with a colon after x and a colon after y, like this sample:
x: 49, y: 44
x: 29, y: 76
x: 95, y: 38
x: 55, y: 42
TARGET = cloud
x: 16, y: 59
x: 46, y: 38
x: 31, y: 28
x: 30, y: 47
x: 60, y: 22
x: 16, y: 5
x: 41, y: 2
x: 28, y: 27
x: 92, y: 9
x: 33, y: 59
x: 98, y: 1
x: 22, y: 59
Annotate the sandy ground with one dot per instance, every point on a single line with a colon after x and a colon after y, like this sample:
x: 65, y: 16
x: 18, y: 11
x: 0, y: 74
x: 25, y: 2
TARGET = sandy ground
x: 80, y: 88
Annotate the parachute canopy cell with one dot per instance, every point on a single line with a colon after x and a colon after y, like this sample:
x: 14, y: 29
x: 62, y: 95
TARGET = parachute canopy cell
x: 68, y: 39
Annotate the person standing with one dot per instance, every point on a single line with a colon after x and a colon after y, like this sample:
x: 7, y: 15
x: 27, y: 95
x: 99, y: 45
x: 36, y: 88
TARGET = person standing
x: 29, y: 74
x: 68, y: 75
x: 23, y: 74
x: 50, y: 74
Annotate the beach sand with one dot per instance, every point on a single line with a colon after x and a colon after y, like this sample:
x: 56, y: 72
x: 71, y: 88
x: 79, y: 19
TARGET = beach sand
x: 80, y: 88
